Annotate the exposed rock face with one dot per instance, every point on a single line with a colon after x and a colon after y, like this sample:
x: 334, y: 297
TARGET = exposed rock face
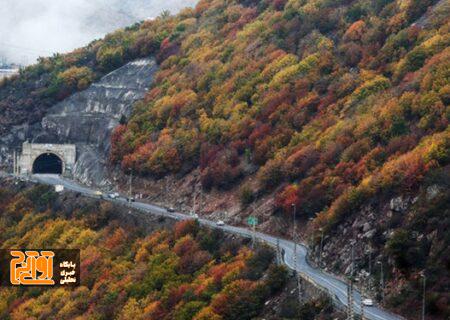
x: 368, y: 227
x: 87, y: 119
x: 433, y: 191
x: 398, y: 204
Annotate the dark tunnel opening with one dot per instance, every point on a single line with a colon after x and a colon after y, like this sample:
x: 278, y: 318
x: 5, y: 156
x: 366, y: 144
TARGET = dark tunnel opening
x: 48, y: 163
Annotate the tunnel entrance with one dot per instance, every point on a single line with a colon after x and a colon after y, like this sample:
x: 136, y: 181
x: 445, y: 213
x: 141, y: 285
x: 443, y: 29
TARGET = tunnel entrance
x: 48, y: 163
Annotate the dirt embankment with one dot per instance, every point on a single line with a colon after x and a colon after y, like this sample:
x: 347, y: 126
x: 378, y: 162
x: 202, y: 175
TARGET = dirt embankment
x: 185, y: 194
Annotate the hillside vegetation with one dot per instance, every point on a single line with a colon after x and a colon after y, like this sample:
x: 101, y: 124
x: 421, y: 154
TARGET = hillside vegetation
x: 27, y: 97
x: 183, y: 273
x: 330, y: 105
x: 335, y: 101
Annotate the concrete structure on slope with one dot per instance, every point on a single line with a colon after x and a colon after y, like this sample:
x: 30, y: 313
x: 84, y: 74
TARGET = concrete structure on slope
x: 85, y: 119
x: 46, y: 158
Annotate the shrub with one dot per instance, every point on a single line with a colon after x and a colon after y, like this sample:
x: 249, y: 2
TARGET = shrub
x: 246, y: 195
x: 110, y: 58
x: 415, y: 59
x: 187, y: 227
x: 42, y: 196
x: 271, y: 174
x: 189, y: 310
x: 259, y: 262
x: 238, y: 300
x: 276, y: 278
x: 403, y: 249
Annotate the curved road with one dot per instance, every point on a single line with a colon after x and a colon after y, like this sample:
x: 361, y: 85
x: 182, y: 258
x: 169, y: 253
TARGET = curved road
x: 335, y: 287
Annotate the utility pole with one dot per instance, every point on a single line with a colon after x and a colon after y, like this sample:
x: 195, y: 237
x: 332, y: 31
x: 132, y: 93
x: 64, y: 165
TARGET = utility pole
x: 350, y: 314
x: 253, y: 235
x: 353, y: 259
x: 369, y: 280
x: 16, y: 166
x: 423, y: 294
x: 279, y: 257
x: 200, y: 201
x: 252, y: 221
x: 362, y: 297
x: 193, y: 200
x: 294, y: 233
x: 299, y: 287
x: 130, y: 191
x: 167, y: 185
x: 349, y: 301
x: 321, y: 247
x: 294, y: 237
x: 17, y: 163
x: 14, y: 162
x: 381, y: 280
x: 350, y: 311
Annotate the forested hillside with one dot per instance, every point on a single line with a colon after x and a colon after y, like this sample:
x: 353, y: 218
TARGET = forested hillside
x: 334, y: 106
x: 335, y: 101
x: 182, y: 273
x: 338, y: 100
x: 26, y: 98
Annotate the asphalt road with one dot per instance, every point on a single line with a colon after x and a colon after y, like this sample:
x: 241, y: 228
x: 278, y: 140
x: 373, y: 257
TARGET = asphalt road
x: 335, y: 287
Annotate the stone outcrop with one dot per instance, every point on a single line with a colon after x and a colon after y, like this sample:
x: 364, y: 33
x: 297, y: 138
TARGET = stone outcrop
x: 87, y: 120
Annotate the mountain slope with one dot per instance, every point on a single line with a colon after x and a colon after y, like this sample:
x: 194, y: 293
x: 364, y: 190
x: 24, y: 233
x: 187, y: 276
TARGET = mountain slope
x: 338, y: 107
x: 179, y: 271
x: 26, y: 98
x: 325, y: 103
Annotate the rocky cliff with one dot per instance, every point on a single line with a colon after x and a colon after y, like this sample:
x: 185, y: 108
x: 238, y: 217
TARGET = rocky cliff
x: 87, y: 119
x: 393, y: 241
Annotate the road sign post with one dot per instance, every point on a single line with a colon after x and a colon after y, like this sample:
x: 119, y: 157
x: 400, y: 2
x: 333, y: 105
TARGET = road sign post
x: 252, y: 221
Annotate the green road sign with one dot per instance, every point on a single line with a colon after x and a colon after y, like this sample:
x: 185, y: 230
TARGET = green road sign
x: 252, y: 221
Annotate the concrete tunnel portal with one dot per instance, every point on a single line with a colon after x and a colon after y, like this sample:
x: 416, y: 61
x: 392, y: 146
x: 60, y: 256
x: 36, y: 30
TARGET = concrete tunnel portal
x: 48, y: 163
x: 46, y: 159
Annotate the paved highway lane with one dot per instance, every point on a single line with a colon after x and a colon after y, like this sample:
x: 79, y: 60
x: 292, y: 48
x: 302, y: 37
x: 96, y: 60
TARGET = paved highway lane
x: 336, y: 288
